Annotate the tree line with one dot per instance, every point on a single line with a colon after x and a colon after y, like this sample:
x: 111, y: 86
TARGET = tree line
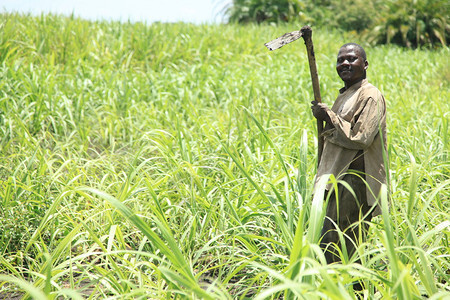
x: 410, y: 23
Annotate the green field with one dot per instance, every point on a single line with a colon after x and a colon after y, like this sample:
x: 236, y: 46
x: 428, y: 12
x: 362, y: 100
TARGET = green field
x: 171, y: 161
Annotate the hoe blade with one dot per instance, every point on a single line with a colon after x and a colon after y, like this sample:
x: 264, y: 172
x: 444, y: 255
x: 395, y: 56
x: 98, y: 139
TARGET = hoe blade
x: 283, y: 40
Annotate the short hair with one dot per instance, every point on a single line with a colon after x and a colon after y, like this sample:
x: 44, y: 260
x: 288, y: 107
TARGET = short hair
x: 359, y: 47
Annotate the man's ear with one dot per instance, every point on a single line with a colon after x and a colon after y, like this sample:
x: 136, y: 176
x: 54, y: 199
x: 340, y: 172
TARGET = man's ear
x: 366, y: 65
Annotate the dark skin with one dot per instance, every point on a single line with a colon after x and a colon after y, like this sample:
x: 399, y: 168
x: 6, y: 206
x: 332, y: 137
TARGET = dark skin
x: 351, y: 67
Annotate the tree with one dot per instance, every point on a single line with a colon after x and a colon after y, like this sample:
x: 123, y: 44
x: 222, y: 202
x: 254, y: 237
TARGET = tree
x: 246, y: 11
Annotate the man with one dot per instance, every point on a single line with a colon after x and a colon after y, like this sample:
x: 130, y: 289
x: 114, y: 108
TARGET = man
x: 354, y: 142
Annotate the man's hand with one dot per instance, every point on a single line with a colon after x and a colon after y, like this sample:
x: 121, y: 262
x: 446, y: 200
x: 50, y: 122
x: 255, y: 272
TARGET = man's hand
x: 319, y: 111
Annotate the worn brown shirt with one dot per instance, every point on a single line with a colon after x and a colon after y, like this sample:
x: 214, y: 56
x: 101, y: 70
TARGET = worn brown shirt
x: 359, y: 119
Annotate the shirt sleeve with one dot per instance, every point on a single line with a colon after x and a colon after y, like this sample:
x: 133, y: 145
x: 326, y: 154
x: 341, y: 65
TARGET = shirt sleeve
x: 360, y: 135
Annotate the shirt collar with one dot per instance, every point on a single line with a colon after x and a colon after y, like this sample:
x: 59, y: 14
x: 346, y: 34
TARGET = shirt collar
x: 354, y: 86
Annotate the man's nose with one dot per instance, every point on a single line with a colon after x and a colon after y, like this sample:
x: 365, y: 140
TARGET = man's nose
x: 345, y: 63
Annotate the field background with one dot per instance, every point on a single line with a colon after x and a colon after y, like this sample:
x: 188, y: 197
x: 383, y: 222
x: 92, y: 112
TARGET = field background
x: 177, y: 160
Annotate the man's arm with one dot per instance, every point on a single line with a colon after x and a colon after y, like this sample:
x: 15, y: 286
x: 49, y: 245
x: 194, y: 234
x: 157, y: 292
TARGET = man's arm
x: 362, y: 134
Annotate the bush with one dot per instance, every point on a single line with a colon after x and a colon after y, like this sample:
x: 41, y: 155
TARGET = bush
x: 411, y: 23
x: 247, y: 11
x: 348, y: 15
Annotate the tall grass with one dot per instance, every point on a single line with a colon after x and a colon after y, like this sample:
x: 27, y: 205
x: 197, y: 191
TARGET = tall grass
x: 177, y: 161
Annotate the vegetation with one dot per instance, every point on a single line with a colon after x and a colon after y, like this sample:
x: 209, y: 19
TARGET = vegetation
x: 176, y: 161
x: 245, y: 11
x: 410, y: 23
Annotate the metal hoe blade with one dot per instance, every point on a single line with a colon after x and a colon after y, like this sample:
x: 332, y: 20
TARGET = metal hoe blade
x: 283, y: 40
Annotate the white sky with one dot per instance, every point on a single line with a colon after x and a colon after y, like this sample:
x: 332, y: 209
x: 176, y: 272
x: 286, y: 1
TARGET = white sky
x: 194, y: 11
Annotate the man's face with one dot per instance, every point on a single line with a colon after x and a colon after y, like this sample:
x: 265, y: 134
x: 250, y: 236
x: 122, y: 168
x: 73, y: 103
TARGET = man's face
x: 350, y: 65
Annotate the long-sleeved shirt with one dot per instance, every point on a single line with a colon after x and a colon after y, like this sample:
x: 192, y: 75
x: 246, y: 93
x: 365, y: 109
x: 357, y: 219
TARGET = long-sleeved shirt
x: 359, y: 119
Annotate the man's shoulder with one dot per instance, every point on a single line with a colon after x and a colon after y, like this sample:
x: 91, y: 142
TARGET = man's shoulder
x: 368, y: 86
x: 369, y: 90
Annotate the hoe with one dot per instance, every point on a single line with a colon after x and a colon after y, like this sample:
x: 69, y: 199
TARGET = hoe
x: 306, y: 33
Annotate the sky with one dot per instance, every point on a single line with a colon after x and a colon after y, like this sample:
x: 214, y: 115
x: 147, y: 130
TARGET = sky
x: 192, y: 11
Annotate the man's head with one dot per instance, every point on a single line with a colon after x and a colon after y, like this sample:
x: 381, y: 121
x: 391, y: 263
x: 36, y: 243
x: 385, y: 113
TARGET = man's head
x: 351, y: 63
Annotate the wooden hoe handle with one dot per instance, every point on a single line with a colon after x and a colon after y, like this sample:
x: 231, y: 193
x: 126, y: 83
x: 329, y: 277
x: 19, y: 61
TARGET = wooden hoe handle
x: 306, y: 34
